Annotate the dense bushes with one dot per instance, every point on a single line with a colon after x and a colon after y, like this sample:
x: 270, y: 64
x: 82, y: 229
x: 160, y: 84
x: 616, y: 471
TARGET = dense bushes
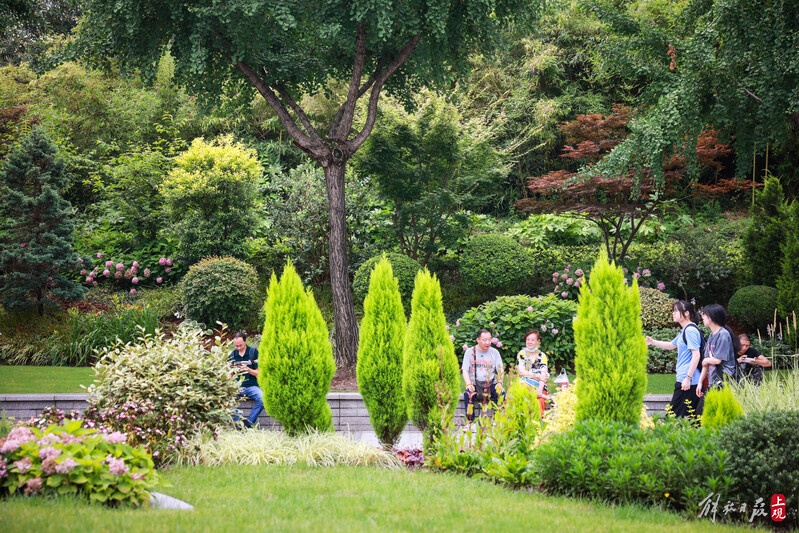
x: 379, y: 367
x: 610, y: 352
x: 403, y: 267
x: 788, y: 280
x: 656, y: 308
x: 510, y: 317
x: 296, y: 359
x: 162, y: 391
x: 220, y: 289
x: 753, y: 307
x: 661, y: 361
x: 496, y: 264
x: 623, y: 463
x: 764, y: 235
x: 69, y: 459
x: 430, y: 379
x: 762, y: 452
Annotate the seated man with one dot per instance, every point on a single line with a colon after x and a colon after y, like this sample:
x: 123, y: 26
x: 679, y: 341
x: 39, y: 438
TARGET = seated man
x: 245, y: 359
x: 751, y: 361
x: 481, y: 365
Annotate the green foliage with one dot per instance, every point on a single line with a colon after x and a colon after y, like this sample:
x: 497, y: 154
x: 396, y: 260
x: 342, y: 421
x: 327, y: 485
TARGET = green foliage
x: 753, y: 307
x: 210, y: 194
x: 296, y: 359
x: 163, y: 390
x: 661, y: 361
x: 428, y: 357
x: 70, y: 459
x: 765, y: 235
x: 403, y: 268
x: 429, y: 166
x: 721, y: 408
x: 610, y: 351
x: 656, y: 307
x: 763, y: 452
x: 788, y: 280
x: 36, y: 244
x: 672, y: 465
x: 509, y: 318
x: 496, y: 264
x: 379, y: 367
x: 541, y: 231
x: 220, y: 289
x: 777, y: 392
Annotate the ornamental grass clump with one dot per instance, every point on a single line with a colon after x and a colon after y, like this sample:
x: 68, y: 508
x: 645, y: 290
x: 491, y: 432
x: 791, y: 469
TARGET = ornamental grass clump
x: 70, y: 459
x: 296, y: 358
x: 163, y: 390
x: 380, y: 355
x: 611, y: 352
x: 428, y: 355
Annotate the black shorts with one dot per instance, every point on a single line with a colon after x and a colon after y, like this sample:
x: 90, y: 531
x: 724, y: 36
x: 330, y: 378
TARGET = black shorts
x: 685, y: 403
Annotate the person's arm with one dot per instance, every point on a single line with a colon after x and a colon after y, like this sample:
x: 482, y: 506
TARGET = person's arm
x: 663, y: 345
x: 465, y: 370
x: 693, y: 341
x: 761, y: 360
x: 499, y: 370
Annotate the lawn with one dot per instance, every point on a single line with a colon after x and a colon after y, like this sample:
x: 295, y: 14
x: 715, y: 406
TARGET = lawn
x: 270, y: 498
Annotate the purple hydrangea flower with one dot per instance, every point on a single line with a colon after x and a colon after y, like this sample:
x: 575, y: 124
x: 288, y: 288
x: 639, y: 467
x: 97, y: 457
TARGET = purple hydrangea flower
x: 116, y: 437
x: 494, y: 340
x: 23, y: 465
x: 554, y: 331
x: 499, y: 344
x: 66, y: 466
x: 159, y: 280
x: 661, y: 286
x: 646, y: 273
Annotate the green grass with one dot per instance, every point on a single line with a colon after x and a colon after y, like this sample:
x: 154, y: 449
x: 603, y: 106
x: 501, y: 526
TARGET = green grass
x: 44, y: 379
x: 269, y: 498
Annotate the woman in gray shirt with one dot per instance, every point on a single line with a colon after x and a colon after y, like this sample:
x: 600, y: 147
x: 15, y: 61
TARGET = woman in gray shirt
x: 722, y: 345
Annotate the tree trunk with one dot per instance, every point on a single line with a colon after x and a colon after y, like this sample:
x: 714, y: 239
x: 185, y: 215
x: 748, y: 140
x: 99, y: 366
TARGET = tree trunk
x: 344, y: 320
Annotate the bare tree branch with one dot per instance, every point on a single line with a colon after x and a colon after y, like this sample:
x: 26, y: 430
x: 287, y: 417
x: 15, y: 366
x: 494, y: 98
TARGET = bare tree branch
x: 344, y: 120
x: 300, y: 114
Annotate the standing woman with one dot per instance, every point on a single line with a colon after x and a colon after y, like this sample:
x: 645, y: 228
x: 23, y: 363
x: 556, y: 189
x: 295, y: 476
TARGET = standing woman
x: 722, y: 345
x: 685, y: 400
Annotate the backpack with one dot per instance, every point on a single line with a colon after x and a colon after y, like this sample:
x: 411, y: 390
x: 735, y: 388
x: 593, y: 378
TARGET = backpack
x: 702, y: 343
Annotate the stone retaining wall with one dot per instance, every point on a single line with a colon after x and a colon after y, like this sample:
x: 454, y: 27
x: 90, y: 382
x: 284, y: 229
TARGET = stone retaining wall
x: 349, y: 411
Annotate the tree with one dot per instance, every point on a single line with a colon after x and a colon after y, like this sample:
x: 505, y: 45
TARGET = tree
x: 610, y: 352
x: 726, y: 64
x: 380, y: 355
x: 286, y: 49
x: 788, y: 281
x: 431, y: 166
x: 619, y: 204
x: 765, y: 235
x: 296, y: 358
x: 210, y: 193
x: 36, y: 244
x: 428, y: 353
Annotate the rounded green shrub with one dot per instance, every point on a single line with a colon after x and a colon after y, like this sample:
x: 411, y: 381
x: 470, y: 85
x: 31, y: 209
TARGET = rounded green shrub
x: 496, y: 264
x: 403, y: 267
x: 753, y: 306
x: 220, y: 289
x: 721, y: 408
x: 656, y: 307
x: 763, y: 452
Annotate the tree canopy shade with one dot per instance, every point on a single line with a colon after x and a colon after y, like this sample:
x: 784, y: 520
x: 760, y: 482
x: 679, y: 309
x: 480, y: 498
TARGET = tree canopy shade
x: 732, y: 65
x: 286, y: 48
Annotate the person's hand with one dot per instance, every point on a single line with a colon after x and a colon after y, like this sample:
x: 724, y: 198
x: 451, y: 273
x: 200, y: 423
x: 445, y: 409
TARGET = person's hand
x: 686, y: 383
x: 500, y: 388
x: 705, y: 362
x: 649, y: 341
x: 469, y: 386
x: 699, y: 390
x: 742, y: 359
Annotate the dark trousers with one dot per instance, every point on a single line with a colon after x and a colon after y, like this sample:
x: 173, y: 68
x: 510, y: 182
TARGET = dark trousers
x: 685, y: 403
x: 477, y: 396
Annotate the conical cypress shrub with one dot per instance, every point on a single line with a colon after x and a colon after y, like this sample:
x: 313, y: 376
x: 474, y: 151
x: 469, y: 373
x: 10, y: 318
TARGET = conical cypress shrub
x: 422, y: 366
x: 721, y: 408
x: 380, y: 355
x: 610, y: 348
x: 788, y: 282
x: 296, y: 358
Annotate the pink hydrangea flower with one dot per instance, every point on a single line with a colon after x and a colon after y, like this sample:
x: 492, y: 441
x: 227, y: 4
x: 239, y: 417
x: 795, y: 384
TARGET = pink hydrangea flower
x: 118, y: 274
x: 147, y: 272
x: 66, y: 466
x: 116, y: 466
x: 169, y: 262
x: 447, y: 327
x: 577, y: 283
x: 23, y: 465
x: 646, y: 273
x: 636, y: 275
x: 499, y: 344
x: 625, y: 280
x: 564, y: 276
x: 135, y: 280
x: 135, y: 264
x: 138, y: 475
x: 109, y: 264
x: 564, y: 294
x: 116, y: 437
x: 99, y: 255
x: 162, y: 261
x: 554, y: 332
x: 133, y: 291
x: 458, y: 322
x: 83, y: 272
x: 465, y: 347
x: 452, y: 338
x: 167, y: 270
x: 570, y: 281
x: 33, y: 486
x: 578, y: 272
x: 543, y: 328
x: 159, y: 280
x: 120, y: 266
x: 94, y: 283
x: 530, y: 308
x: 49, y: 452
x: 494, y: 340
x: 50, y: 438
x: 48, y: 466
x: 106, y: 272
x: 88, y: 279
x: 661, y: 286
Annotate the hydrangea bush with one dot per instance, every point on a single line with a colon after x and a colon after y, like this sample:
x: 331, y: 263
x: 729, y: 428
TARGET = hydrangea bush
x: 71, y: 459
x: 126, y: 274
x: 510, y: 317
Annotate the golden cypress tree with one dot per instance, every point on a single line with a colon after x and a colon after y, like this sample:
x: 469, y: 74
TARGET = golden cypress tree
x: 721, y: 408
x: 296, y: 358
x: 428, y: 353
x: 610, y: 349
x: 380, y: 355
